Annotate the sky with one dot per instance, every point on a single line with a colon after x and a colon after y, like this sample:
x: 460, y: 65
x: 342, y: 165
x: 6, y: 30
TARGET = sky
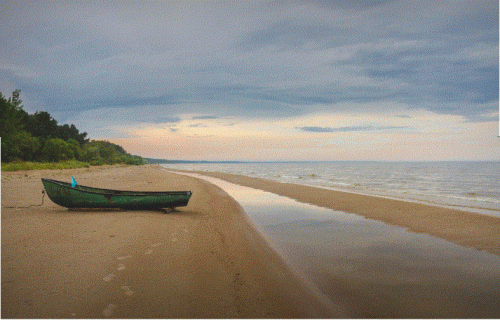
x: 263, y: 80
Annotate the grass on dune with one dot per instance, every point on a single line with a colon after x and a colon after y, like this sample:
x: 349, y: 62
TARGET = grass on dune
x: 27, y: 165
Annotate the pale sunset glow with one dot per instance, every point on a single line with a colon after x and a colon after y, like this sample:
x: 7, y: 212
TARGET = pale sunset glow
x: 421, y: 135
x: 263, y: 80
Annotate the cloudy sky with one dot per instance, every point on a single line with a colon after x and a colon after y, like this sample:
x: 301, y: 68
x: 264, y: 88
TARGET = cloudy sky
x: 263, y: 80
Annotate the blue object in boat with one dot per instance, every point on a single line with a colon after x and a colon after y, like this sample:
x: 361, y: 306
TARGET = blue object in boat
x: 73, y: 182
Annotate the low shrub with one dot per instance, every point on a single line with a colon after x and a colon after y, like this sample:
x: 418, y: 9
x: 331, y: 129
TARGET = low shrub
x: 28, y: 165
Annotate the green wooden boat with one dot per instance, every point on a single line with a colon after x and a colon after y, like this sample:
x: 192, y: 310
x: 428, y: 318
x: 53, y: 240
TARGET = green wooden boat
x: 77, y: 196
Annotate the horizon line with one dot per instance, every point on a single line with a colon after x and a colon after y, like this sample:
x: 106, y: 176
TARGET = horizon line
x: 172, y: 161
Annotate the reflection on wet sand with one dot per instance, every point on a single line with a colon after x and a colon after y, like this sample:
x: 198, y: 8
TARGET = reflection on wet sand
x: 383, y: 270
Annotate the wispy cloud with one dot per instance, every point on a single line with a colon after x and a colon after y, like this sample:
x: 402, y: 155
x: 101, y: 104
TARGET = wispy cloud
x: 422, y: 136
x: 99, y: 64
x: 204, y: 117
x: 349, y: 129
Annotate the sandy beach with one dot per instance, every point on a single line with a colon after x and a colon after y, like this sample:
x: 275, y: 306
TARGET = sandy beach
x: 202, y: 261
x: 463, y: 228
x: 205, y: 260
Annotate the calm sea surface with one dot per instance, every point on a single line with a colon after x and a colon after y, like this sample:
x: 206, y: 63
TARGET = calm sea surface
x: 471, y: 186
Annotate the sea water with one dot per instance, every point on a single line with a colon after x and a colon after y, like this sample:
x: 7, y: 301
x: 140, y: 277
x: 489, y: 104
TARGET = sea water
x: 372, y: 268
x: 469, y: 185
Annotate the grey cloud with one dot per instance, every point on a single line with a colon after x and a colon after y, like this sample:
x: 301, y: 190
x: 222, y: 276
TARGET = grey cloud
x: 292, y: 34
x: 349, y: 129
x: 204, y: 117
x: 252, y: 59
x: 348, y: 4
x: 418, y: 69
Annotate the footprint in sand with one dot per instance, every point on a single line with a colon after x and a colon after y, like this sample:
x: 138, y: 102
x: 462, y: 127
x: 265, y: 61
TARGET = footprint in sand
x: 154, y: 245
x: 124, y: 257
x: 149, y: 251
x: 121, y: 267
x: 174, y: 236
x: 127, y: 291
x: 109, y: 310
x: 109, y: 277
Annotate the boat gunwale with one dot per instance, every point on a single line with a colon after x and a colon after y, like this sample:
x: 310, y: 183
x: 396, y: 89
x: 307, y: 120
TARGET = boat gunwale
x: 125, y: 193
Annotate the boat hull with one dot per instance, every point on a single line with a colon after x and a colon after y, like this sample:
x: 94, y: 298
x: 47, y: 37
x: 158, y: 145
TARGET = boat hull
x: 63, y: 194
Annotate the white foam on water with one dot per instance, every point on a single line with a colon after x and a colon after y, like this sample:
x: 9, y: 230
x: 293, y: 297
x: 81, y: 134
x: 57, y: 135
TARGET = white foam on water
x: 469, y: 186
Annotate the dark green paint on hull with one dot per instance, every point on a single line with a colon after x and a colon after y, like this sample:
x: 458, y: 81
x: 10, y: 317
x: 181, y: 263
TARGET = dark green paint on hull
x: 63, y: 194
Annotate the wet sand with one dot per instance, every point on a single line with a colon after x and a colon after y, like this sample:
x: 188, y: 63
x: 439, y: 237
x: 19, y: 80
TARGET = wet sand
x: 205, y: 260
x: 463, y: 228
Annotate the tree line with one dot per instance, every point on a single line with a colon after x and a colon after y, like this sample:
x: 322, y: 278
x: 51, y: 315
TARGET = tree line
x: 38, y: 137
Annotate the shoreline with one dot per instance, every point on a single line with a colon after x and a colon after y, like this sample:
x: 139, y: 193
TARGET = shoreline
x: 468, y: 229
x: 492, y: 212
x: 206, y: 260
